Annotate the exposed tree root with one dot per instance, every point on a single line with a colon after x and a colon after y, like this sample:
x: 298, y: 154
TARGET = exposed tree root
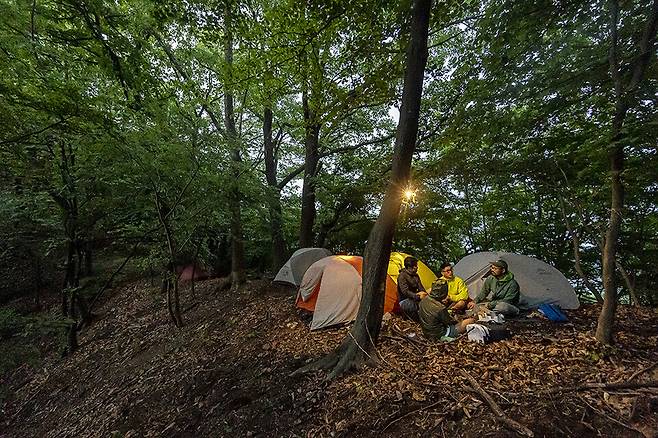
x: 350, y: 354
x: 324, y: 363
x: 353, y: 357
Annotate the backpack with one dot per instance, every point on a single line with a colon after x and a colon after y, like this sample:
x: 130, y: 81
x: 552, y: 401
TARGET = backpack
x: 439, y: 290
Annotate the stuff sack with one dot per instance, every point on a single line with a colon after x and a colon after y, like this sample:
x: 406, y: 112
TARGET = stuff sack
x: 486, y: 333
x: 552, y: 312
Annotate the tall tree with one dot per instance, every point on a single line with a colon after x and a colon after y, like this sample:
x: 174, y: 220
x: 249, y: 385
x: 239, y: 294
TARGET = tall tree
x: 238, y: 275
x: 626, y: 80
x: 356, y: 348
x: 270, y: 147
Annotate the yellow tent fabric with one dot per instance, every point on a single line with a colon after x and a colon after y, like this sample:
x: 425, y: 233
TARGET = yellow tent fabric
x: 396, y: 262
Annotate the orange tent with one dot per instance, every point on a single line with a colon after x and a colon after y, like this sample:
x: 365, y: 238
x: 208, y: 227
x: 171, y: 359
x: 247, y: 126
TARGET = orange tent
x: 331, y: 289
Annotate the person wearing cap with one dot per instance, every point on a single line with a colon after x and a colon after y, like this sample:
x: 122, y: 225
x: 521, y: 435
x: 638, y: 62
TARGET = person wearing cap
x: 435, y: 321
x: 457, y: 298
x: 500, y: 291
x: 410, y: 288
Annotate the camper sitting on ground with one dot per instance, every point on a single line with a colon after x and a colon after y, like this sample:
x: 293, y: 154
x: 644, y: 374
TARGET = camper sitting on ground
x: 457, y: 298
x: 500, y: 291
x: 410, y: 288
x: 434, y: 317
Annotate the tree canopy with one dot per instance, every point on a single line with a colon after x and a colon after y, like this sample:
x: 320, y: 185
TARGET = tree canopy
x: 232, y: 132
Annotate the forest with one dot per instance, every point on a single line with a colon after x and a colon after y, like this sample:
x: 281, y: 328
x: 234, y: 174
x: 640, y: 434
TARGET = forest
x: 139, y: 137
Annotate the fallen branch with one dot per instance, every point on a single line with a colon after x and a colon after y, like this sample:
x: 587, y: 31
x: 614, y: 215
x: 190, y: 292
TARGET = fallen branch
x: 413, y: 339
x: 586, y: 386
x: 600, y: 412
x: 403, y: 339
x: 643, y: 370
x: 517, y: 427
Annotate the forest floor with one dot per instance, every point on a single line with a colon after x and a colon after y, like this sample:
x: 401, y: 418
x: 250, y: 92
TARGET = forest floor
x: 227, y: 373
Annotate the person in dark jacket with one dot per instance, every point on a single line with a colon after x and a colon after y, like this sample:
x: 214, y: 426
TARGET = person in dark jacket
x: 436, y: 322
x: 500, y: 291
x: 410, y: 289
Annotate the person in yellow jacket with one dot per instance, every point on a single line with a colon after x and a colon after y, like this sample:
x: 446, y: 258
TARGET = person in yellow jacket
x: 457, y: 299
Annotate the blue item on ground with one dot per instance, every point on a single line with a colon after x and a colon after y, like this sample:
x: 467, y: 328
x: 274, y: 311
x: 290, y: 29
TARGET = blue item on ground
x: 553, y: 312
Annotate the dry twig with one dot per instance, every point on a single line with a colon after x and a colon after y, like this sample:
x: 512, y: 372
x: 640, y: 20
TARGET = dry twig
x: 516, y: 426
x: 586, y: 386
x: 614, y: 420
x: 642, y: 371
x: 401, y: 339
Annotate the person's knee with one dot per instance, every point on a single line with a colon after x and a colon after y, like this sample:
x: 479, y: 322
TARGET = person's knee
x: 506, y: 309
x: 409, y: 309
x: 408, y: 305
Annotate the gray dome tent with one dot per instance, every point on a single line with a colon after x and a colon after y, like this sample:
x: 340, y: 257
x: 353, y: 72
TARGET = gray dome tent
x: 293, y: 270
x: 539, y: 282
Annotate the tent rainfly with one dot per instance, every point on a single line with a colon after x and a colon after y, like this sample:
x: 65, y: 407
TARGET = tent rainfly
x: 539, y: 282
x: 190, y: 272
x: 293, y: 270
x: 396, y: 263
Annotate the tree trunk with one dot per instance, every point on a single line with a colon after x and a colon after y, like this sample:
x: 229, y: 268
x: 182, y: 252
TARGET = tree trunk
x: 167, y: 287
x: 176, y: 299
x: 356, y: 349
x: 539, y: 241
x: 274, y: 198
x: 624, y: 96
x: 605, y: 327
x: 629, y: 284
x: 38, y: 279
x: 331, y: 224
x: 70, y: 278
x: 575, y: 239
x: 89, y: 260
x: 470, y: 231
x: 171, y: 279
x: 195, y: 261
x: 238, y: 275
x: 69, y: 292
x: 72, y: 328
x: 311, y: 144
x: 69, y: 206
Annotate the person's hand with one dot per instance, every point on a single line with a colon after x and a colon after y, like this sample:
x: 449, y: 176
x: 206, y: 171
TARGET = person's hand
x: 445, y: 301
x: 471, y: 304
x: 421, y: 294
